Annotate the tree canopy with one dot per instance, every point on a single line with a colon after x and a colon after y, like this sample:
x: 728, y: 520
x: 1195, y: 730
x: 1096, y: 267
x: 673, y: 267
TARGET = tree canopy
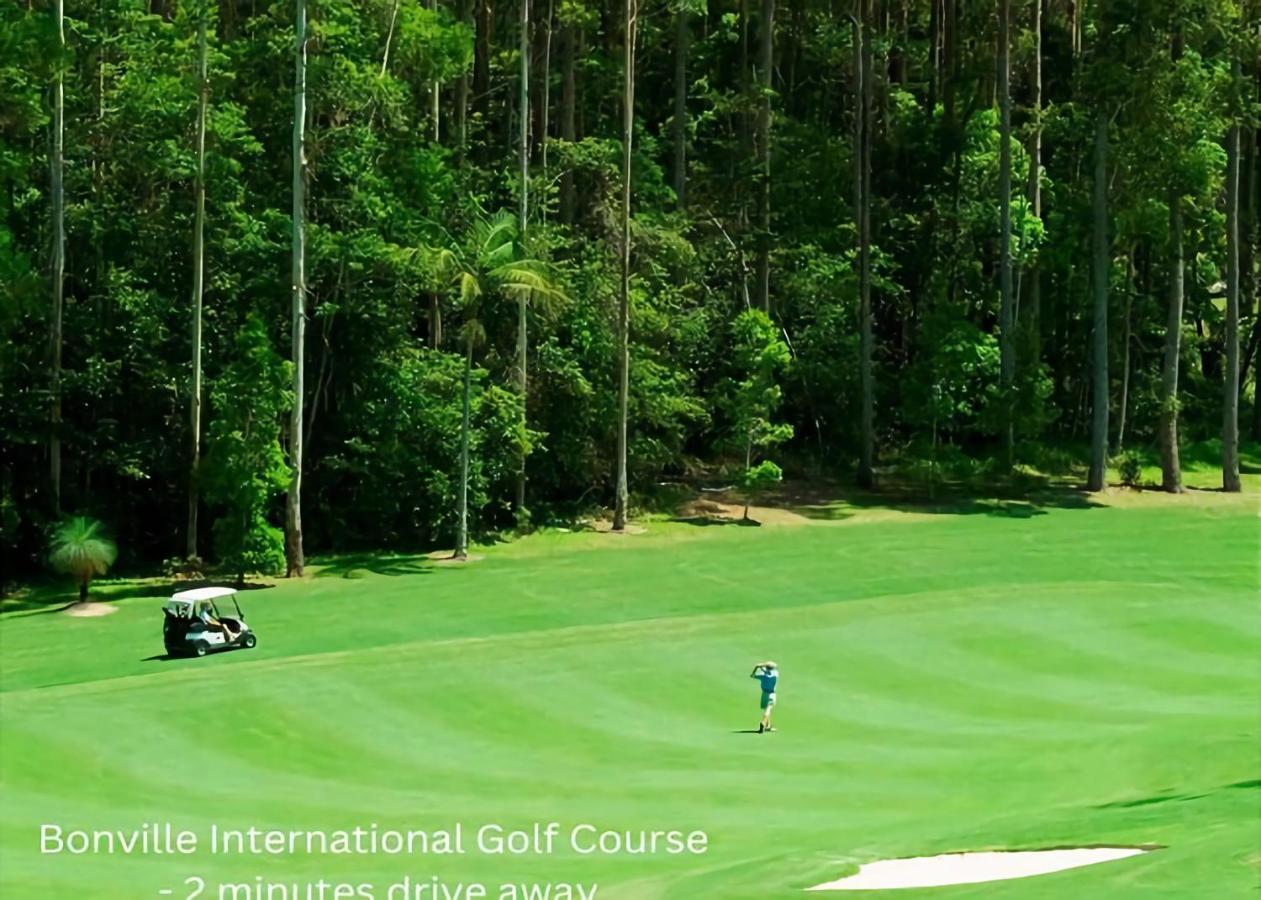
x: 837, y: 169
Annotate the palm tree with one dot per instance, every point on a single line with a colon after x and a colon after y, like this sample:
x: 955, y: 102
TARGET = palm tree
x: 80, y: 548
x: 490, y: 264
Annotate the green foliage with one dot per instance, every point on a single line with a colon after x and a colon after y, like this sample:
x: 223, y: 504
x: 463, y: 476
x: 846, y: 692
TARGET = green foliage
x: 1130, y: 467
x: 954, y: 380
x: 80, y: 548
x: 753, y: 395
x: 382, y: 396
x: 409, y: 414
x: 245, y: 468
x: 760, y: 477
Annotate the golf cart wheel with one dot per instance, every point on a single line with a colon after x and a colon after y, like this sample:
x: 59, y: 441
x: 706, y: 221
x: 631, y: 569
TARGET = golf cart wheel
x: 201, y: 648
x: 249, y: 641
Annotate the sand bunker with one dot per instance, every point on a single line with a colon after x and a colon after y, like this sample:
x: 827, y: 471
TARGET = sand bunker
x: 970, y: 868
x: 89, y: 610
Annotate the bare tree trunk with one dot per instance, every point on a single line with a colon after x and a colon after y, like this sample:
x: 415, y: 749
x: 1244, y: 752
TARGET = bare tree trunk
x: 568, y: 121
x: 767, y: 66
x: 435, y: 96
x: 199, y: 225
x: 546, y: 97
x: 294, y: 557
x: 682, y: 44
x: 1007, y: 318
x: 1099, y: 339
x: 934, y: 53
x: 1034, y: 276
x: 462, y: 93
x: 1230, y: 400
x: 523, y: 215
x: 1250, y: 234
x: 484, y: 23
x: 461, y: 540
x: 623, y: 312
x: 1170, y: 465
x: 389, y: 38
x: 435, y: 321
x: 950, y: 68
x: 59, y: 257
x: 866, y: 465
x: 1123, y: 406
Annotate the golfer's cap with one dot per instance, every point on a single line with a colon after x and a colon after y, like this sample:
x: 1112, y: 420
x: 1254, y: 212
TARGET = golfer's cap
x: 772, y: 664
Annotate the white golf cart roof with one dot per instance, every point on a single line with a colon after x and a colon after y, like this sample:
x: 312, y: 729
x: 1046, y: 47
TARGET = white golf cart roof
x: 204, y: 593
x: 184, y: 603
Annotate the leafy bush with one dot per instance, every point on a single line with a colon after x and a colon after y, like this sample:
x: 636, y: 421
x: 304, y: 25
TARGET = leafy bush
x: 1130, y: 467
x: 406, y: 418
x: 244, y: 467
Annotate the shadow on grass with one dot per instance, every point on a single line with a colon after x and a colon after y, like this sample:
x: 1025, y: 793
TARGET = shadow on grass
x: 1178, y: 798
x: 1150, y: 801
x: 50, y: 596
x: 1016, y: 499
x: 356, y: 565
x: 705, y: 521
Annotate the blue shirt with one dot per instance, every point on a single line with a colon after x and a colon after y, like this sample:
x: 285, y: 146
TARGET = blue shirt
x: 768, y: 680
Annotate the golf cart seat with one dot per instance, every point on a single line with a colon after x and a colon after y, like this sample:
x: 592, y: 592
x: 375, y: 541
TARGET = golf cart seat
x: 189, y: 629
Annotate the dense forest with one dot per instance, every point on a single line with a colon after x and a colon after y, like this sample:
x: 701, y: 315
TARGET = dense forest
x: 293, y: 277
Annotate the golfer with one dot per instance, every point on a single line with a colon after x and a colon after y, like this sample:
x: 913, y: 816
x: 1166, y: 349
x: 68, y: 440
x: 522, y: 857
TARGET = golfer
x: 209, y: 620
x: 767, y: 674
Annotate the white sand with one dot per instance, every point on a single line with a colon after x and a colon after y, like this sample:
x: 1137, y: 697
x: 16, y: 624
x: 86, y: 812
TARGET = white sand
x: 970, y: 868
x: 89, y: 610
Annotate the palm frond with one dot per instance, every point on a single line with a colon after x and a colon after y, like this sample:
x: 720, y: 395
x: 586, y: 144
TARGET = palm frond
x: 81, y: 548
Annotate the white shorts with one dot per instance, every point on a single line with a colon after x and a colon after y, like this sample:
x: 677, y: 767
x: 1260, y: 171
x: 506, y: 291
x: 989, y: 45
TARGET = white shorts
x: 768, y: 699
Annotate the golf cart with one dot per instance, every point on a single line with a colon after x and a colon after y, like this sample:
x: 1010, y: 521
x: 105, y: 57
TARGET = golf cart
x: 194, y: 626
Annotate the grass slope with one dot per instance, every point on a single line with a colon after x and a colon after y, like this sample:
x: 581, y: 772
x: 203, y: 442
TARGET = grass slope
x: 1015, y: 677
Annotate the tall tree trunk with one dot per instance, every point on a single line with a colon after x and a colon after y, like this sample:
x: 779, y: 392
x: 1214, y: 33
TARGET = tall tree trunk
x: 462, y: 93
x: 389, y: 38
x: 1034, y: 275
x: 545, y: 95
x: 1123, y: 405
x: 483, y: 25
x: 1007, y: 318
x: 59, y: 256
x: 743, y: 12
x: 1099, y: 337
x: 862, y: 212
x: 767, y: 66
x: 867, y: 469
x: 435, y: 96
x: 568, y: 120
x: 1249, y: 237
x: 678, y: 126
x: 950, y: 73
x: 294, y: 557
x: 746, y: 121
x: 622, y: 500
x: 461, y: 540
x: 199, y: 224
x: 934, y: 53
x: 1170, y: 465
x: 523, y: 215
x: 1230, y: 399
x: 435, y: 320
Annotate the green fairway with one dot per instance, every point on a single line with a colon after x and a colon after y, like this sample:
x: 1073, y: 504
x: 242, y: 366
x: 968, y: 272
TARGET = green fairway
x: 1012, y: 677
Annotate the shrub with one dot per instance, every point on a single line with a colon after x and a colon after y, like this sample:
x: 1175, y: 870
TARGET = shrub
x: 1130, y: 468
